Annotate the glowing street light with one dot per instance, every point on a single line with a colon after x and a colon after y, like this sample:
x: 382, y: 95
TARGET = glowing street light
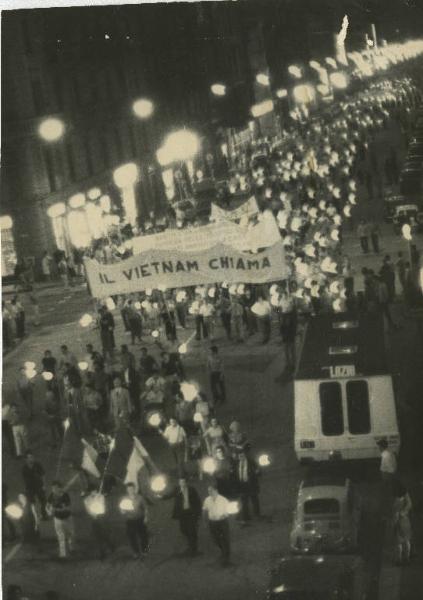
x: 218, y: 89
x: 51, y: 129
x: 125, y: 177
x: 180, y: 146
x: 83, y: 365
x: 183, y: 349
x: 263, y: 79
x: 143, y: 108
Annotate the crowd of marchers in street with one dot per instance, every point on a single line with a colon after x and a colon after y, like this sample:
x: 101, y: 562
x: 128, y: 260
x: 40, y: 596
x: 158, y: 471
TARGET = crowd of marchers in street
x: 310, y: 184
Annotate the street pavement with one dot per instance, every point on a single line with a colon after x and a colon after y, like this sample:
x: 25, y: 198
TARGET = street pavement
x: 262, y: 401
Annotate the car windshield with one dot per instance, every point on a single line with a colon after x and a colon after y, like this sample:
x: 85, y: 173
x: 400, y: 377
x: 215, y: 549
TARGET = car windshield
x: 321, y: 506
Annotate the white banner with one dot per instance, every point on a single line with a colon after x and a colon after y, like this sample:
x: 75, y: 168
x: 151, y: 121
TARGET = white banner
x: 246, y: 210
x: 241, y: 237
x: 180, y: 269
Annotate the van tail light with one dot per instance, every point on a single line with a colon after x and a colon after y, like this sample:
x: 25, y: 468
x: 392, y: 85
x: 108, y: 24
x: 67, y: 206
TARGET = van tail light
x: 307, y: 444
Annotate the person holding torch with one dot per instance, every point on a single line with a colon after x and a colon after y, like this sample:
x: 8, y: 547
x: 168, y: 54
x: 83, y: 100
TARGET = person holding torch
x: 134, y: 509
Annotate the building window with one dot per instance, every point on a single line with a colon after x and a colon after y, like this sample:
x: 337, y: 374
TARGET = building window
x: 358, y: 407
x: 331, y: 408
x: 38, y: 96
x: 70, y: 161
x: 49, y: 167
x: 8, y: 253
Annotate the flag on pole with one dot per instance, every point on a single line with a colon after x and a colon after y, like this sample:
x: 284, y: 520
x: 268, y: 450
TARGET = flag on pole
x: 78, y: 450
x: 136, y: 462
x: 129, y: 457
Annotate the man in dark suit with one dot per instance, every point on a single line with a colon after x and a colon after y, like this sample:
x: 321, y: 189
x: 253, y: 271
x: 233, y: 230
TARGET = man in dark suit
x: 187, y: 510
x: 247, y: 477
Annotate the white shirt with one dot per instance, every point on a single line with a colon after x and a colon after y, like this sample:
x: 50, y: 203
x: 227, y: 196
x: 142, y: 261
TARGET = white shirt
x: 216, y: 507
x: 388, y: 463
x: 174, y: 434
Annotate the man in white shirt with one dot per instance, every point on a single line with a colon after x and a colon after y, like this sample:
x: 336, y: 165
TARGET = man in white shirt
x: 216, y: 510
x: 176, y: 437
x: 207, y: 312
x: 388, y: 462
x: 263, y: 310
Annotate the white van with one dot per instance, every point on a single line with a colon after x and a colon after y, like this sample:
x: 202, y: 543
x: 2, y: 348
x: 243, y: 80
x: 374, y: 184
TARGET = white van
x: 344, y: 398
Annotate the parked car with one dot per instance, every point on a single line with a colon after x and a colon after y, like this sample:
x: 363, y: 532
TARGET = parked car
x: 391, y: 201
x: 407, y: 213
x: 318, y: 578
x: 326, y: 517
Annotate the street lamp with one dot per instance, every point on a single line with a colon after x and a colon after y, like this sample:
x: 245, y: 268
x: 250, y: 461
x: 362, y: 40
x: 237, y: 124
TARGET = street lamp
x: 51, y: 129
x: 143, y: 108
x: 179, y: 146
x: 218, y: 89
x: 125, y: 178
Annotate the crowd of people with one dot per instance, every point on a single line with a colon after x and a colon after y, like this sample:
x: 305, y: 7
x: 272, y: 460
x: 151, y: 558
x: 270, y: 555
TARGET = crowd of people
x: 309, y: 182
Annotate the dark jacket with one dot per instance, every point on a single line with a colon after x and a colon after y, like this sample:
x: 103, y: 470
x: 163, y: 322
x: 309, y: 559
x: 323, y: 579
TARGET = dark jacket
x: 253, y: 475
x: 194, y: 504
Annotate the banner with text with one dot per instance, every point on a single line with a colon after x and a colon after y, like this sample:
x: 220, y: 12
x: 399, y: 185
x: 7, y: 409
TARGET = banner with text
x: 242, y: 238
x: 179, y: 269
x: 247, y: 209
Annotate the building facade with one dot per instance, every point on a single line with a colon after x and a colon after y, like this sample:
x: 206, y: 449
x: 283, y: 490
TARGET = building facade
x: 85, y: 67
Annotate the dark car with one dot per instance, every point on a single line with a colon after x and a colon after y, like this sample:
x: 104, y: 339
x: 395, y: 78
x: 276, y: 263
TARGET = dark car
x: 318, y: 578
